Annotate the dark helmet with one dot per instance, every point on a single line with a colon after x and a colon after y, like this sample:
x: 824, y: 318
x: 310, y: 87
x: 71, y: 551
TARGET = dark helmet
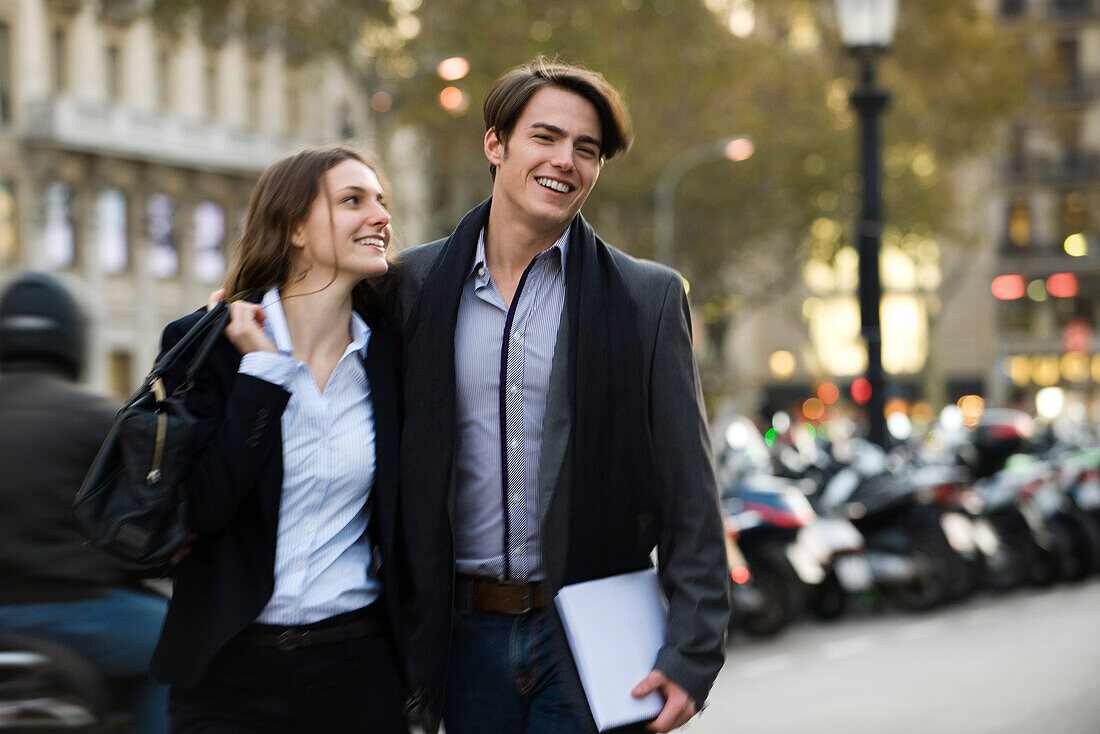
x: 41, y: 321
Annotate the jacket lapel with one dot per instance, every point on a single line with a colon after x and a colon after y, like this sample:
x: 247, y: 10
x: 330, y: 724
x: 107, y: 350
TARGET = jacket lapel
x: 380, y: 369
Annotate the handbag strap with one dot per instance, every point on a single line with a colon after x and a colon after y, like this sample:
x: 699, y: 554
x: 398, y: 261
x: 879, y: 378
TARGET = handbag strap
x: 218, y: 317
x: 207, y: 344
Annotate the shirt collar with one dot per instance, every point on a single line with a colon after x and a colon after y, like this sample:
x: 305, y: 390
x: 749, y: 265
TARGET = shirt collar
x: 481, y: 273
x: 276, y: 327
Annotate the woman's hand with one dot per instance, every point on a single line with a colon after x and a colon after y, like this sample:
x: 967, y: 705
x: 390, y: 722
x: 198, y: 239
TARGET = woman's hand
x: 245, y: 330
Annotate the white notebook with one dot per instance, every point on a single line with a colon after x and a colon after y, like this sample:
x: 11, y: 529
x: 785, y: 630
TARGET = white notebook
x: 615, y: 627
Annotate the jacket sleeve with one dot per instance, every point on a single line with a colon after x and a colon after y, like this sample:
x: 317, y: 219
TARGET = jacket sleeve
x: 690, y: 552
x: 239, y: 432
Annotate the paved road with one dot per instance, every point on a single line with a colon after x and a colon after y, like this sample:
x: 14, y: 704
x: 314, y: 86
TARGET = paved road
x: 1024, y: 663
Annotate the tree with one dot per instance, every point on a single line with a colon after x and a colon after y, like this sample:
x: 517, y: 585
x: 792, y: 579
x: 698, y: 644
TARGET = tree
x: 694, y: 71
x: 688, y: 79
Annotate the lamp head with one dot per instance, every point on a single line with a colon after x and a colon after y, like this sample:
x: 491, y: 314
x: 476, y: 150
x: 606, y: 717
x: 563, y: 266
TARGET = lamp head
x: 867, y: 26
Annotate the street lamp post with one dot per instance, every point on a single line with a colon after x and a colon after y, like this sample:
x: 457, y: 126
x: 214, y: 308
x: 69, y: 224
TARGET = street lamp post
x: 737, y: 148
x: 866, y: 30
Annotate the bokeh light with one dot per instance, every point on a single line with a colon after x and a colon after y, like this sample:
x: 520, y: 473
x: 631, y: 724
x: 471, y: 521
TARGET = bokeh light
x: 971, y: 407
x: 1037, y: 290
x: 828, y: 393
x: 453, y: 100
x: 739, y: 149
x: 1062, y: 285
x: 453, y: 69
x: 782, y: 364
x: 813, y: 409
x: 861, y: 390
x: 381, y: 102
x: 1008, y: 287
x: 1076, y: 245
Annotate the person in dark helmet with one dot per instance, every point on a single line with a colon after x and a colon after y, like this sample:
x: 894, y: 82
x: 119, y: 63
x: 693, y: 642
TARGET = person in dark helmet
x: 52, y: 586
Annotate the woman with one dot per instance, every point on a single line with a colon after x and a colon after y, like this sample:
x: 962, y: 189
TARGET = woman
x: 278, y: 620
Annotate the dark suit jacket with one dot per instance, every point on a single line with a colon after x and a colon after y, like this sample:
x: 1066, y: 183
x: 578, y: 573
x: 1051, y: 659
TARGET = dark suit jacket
x: 691, y: 554
x: 50, y: 431
x: 233, y: 493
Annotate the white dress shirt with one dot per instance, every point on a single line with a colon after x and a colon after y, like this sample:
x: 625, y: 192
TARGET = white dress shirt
x: 503, y: 356
x: 322, y: 553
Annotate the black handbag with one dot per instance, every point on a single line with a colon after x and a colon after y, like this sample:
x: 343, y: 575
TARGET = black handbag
x: 131, y: 503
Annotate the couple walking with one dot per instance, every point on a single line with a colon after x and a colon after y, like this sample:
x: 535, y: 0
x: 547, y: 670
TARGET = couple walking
x: 407, y: 456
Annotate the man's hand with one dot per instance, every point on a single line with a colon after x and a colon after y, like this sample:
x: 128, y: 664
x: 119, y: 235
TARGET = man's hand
x: 679, y: 706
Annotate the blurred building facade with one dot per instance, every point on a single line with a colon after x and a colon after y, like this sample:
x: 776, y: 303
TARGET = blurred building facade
x: 1013, y: 310
x: 128, y: 152
x: 1047, y: 279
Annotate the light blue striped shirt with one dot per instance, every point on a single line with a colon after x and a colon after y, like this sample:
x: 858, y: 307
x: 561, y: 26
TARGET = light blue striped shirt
x: 322, y: 553
x: 502, y: 364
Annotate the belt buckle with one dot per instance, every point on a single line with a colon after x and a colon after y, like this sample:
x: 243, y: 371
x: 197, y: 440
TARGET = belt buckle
x: 291, y: 639
x: 527, y: 594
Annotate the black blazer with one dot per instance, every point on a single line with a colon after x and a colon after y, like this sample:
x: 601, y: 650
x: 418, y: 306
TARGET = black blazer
x: 233, y: 493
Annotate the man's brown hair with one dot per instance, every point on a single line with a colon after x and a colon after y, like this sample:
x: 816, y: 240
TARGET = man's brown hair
x: 510, y: 94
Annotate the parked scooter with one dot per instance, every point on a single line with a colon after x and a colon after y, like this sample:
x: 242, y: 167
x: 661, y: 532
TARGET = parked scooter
x: 769, y: 518
x: 920, y: 553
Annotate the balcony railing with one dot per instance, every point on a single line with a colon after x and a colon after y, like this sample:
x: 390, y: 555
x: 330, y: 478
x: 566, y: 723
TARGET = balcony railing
x: 1071, y: 9
x: 1076, y: 168
x: 1042, y: 261
x: 126, y: 133
x: 1078, y: 91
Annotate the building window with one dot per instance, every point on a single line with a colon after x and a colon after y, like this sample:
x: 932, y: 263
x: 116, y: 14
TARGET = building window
x: 255, y: 94
x: 164, y: 258
x: 9, y: 230
x: 114, y: 245
x: 1069, y: 138
x: 209, y: 242
x: 347, y: 127
x: 5, y: 74
x: 164, y: 80
x: 113, y: 73
x: 1019, y: 222
x: 1069, y: 62
x: 1071, y: 7
x: 57, y: 235
x: 120, y: 373
x: 60, y: 53
x: 1074, y: 214
x: 210, y: 79
x: 293, y: 101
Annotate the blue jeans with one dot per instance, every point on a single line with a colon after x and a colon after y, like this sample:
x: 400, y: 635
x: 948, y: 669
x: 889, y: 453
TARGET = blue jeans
x: 116, y: 633
x: 511, y: 674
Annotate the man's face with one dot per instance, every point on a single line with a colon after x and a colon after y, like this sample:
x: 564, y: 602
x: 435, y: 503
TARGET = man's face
x: 550, y: 162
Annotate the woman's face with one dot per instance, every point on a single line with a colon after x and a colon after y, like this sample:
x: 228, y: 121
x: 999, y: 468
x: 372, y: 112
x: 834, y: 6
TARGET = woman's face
x: 348, y: 228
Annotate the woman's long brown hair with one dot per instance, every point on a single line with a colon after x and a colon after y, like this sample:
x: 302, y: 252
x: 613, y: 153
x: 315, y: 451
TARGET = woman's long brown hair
x: 280, y: 202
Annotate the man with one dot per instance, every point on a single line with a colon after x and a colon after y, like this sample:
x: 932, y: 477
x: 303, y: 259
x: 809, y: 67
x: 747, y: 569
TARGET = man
x: 52, y: 587
x: 554, y: 430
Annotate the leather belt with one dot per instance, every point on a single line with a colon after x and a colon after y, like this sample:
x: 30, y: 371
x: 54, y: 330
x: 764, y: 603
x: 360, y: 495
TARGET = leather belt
x: 482, y: 594
x: 321, y: 633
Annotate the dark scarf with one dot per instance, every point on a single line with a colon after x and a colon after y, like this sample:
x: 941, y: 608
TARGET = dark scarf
x: 612, y: 506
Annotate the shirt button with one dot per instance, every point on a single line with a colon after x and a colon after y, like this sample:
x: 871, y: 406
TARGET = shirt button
x: 516, y: 336
x: 481, y: 271
x: 513, y: 388
x: 514, y: 443
x: 517, y: 497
